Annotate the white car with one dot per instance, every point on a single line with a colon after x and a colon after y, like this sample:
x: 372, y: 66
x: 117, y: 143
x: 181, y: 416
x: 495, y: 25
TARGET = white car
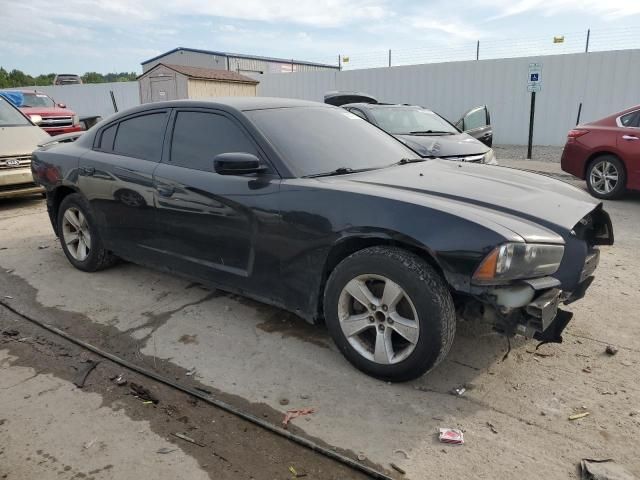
x: 19, y: 137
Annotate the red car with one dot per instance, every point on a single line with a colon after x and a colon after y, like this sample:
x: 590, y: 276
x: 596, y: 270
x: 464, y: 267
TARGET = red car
x: 606, y: 153
x: 56, y: 117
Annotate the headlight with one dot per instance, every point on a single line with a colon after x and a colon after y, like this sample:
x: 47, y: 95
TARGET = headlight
x: 519, y: 260
x: 76, y: 120
x: 490, y: 158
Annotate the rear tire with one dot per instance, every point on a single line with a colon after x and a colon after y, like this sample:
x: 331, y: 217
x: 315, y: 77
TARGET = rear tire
x: 408, y: 326
x: 79, y: 236
x: 606, y: 177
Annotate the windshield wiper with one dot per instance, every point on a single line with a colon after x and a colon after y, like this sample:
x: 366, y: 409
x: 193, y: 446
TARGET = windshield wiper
x: 404, y: 161
x: 430, y: 132
x: 339, y: 171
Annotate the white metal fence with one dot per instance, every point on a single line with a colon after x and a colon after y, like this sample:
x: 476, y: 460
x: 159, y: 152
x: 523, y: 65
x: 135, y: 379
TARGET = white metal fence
x: 94, y: 98
x: 603, y: 82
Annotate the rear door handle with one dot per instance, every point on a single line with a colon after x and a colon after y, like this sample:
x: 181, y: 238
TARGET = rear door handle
x: 165, y: 191
x: 631, y: 138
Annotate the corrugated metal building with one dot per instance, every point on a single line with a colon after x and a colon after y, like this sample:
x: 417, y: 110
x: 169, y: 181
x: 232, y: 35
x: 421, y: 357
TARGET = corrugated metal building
x: 239, y: 63
x: 172, y: 82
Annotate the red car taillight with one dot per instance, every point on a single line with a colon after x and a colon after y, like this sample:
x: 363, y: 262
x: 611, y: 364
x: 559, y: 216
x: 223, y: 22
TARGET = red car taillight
x: 576, y: 133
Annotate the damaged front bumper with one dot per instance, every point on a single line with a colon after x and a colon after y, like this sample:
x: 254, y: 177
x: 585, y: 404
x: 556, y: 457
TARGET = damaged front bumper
x: 532, y: 307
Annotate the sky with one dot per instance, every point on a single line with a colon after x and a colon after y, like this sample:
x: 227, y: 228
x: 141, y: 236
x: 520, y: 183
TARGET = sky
x: 76, y: 36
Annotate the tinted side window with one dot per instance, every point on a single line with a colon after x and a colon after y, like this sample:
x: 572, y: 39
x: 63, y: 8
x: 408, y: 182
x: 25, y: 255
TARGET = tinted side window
x: 200, y: 136
x: 108, y: 135
x: 630, y: 119
x: 141, y: 137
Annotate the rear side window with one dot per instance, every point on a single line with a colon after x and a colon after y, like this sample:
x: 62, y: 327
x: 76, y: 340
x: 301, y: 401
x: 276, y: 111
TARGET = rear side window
x: 141, y: 137
x: 200, y: 136
x: 108, y: 135
x: 630, y: 119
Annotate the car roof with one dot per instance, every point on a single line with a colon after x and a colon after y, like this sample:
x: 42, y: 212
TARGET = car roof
x: 236, y: 103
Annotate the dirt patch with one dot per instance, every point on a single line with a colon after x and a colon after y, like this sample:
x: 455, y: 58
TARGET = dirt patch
x: 231, y: 448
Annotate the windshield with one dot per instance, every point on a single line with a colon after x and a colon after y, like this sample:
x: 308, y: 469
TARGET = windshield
x: 408, y: 120
x: 37, y: 100
x: 315, y: 140
x: 9, y: 116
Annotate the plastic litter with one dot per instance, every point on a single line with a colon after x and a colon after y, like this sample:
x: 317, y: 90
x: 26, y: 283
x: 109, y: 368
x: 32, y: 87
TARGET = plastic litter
x: 295, y: 413
x: 296, y: 473
x: 451, y: 435
x: 458, y: 391
x: 119, y: 380
x: 579, y: 415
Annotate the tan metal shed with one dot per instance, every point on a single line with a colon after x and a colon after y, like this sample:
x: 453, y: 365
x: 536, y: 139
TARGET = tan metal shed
x: 174, y: 82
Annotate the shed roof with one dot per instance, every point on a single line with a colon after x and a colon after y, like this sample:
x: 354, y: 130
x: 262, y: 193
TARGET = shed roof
x: 206, y: 74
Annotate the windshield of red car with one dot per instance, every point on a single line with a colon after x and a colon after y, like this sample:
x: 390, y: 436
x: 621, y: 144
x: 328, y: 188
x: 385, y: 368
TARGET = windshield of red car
x: 9, y: 116
x: 407, y: 120
x: 314, y: 140
x: 37, y: 100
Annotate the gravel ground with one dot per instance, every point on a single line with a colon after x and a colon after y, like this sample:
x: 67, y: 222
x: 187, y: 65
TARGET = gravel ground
x: 519, y: 152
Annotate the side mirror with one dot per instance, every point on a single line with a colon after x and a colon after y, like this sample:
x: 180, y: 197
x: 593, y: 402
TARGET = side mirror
x: 237, y: 163
x: 37, y: 119
x: 62, y: 105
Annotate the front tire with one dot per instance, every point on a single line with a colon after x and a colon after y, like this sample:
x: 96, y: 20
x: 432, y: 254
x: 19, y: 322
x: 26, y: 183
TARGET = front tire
x: 79, y: 236
x: 390, y: 313
x: 606, y: 177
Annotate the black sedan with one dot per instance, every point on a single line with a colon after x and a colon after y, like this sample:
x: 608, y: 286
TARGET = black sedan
x: 304, y: 206
x: 424, y: 131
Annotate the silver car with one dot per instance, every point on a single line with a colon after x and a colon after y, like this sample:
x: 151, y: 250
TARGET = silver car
x: 19, y: 137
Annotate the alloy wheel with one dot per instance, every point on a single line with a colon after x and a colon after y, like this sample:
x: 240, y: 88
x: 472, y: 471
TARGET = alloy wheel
x: 76, y: 234
x: 604, y: 177
x: 378, y: 319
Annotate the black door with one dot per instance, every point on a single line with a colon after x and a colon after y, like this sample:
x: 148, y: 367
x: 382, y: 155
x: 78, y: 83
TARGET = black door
x: 117, y: 178
x: 212, y: 226
x: 477, y: 123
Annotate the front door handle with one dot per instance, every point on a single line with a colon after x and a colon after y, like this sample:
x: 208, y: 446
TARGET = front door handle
x: 630, y: 138
x: 165, y: 191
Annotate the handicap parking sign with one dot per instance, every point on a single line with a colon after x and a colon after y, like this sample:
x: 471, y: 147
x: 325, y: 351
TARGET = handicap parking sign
x: 534, y: 80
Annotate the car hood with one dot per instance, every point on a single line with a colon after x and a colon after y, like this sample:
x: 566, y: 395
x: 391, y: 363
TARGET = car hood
x: 537, y: 208
x: 21, y: 140
x: 457, y: 145
x: 47, y: 112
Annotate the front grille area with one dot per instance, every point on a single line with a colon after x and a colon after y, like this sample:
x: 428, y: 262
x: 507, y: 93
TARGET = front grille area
x: 19, y: 186
x: 15, y: 162
x: 468, y: 158
x: 56, y: 122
